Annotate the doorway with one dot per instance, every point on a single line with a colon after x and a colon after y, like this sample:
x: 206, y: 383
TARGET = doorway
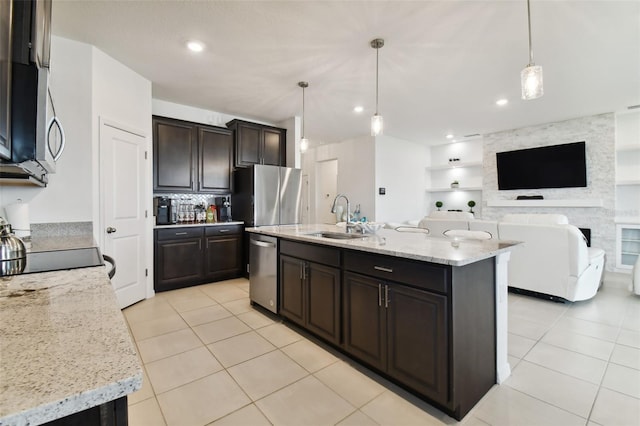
x: 326, y: 190
x: 123, y: 233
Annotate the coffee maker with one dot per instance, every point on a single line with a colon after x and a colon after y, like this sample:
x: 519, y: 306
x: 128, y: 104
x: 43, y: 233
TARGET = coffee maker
x: 164, y: 210
x: 223, y: 208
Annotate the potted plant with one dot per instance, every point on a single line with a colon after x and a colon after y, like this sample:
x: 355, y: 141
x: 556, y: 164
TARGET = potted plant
x: 471, y: 205
x: 439, y: 204
x: 455, y: 184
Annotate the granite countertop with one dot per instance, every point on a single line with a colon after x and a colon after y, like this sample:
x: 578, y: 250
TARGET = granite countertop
x: 409, y: 245
x: 189, y: 225
x: 64, y: 345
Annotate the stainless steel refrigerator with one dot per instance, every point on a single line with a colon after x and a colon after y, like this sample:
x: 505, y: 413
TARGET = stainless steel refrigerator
x: 265, y: 195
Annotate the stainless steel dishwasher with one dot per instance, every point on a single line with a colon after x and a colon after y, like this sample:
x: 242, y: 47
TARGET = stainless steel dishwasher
x: 263, y: 271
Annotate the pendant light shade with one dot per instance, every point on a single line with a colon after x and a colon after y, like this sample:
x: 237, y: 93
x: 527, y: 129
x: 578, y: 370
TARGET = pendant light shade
x: 304, y: 142
x: 376, y: 121
x: 531, y: 76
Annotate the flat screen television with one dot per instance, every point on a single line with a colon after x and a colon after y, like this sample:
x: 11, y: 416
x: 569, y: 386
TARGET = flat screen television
x: 555, y: 166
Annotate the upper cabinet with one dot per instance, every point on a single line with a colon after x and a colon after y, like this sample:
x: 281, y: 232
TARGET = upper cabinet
x: 215, y: 159
x: 258, y: 144
x: 189, y: 157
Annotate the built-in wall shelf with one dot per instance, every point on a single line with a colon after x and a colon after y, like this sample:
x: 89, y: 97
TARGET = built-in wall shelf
x: 624, y: 148
x: 454, y: 164
x: 586, y: 202
x: 466, y: 188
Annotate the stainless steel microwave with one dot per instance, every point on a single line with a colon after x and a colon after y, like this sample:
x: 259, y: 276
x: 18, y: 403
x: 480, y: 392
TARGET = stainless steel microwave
x: 35, y: 135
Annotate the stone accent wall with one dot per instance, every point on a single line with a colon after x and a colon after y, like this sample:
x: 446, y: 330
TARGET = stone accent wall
x: 599, y: 134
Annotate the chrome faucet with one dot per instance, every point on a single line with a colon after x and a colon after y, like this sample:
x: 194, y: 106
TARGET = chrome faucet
x: 333, y: 210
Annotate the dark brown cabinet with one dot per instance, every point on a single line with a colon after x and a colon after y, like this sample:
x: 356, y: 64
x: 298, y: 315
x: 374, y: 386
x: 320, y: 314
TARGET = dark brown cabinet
x: 178, y: 257
x: 185, y: 256
x: 223, y: 252
x: 189, y: 157
x: 215, y: 160
x: 428, y: 327
x: 310, y: 291
x: 258, y: 144
x: 174, y: 155
x: 398, y: 330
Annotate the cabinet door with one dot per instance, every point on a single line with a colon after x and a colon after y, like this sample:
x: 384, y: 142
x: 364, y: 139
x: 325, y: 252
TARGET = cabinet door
x: 215, y: 148
x: 292, y: 289
x: 417, y: 340
x: 174, y: 156
x: 364, y: 319
x: 323, y: 301
x: 248, y: 145
x: 272, y: 147
x: 223, y: 257
x: 178, y: 263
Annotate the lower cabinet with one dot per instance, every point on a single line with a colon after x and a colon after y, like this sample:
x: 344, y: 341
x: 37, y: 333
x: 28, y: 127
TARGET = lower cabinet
x: 400, y: 331
x: 178, y: 258
x: 185, y: 256
x: 223, y: 253
x: 112, y: 413
x: 310, y: 291
x: 428, y: 327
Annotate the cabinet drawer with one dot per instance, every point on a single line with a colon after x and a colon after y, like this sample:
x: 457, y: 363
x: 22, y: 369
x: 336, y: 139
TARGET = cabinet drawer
x: 319, y: 254
x: 428, y: 277
x: 178, y: 233
x: 222, y: 230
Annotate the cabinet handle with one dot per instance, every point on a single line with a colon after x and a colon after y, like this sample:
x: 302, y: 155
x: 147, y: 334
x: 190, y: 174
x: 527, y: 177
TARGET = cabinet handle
x: 379, y: 294
x: 301, y: 271
x: 181, y: 233
x: 223, y: 230
x: 304, y: 271
x: 383, y: 269
x: 386, y: 296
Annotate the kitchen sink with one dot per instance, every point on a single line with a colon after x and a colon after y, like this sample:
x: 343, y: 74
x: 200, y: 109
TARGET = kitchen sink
x: 337, y: 235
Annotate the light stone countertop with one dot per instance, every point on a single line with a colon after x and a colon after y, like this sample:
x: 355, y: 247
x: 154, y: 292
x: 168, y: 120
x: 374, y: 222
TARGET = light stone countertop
x: 64, y: 345
x: 408, y: 245
x: 38, y: 244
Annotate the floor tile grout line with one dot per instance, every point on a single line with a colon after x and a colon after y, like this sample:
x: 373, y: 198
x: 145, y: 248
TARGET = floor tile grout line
x: 547, y: 403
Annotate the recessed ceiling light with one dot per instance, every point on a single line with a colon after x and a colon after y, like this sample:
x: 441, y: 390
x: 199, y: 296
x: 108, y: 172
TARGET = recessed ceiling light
x: 195, y: 46
x: 358, y: 109
x: 502, y: 102
x: 449, y: 136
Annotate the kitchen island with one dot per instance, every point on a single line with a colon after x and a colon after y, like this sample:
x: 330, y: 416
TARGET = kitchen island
x: 428, y: 313
x: 65, y: 349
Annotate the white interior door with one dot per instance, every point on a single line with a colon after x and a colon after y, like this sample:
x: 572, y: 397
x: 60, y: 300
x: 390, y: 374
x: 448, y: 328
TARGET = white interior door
x: 326, y: 190
x: 122, y: 199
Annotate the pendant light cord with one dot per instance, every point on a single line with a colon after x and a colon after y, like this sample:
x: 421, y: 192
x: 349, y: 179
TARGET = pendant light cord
x: 303, y: 112
x: 377, y: 52
x: 530, y: 44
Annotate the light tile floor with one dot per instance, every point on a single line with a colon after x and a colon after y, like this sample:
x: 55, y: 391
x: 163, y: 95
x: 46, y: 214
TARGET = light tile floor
x: 211, y: 359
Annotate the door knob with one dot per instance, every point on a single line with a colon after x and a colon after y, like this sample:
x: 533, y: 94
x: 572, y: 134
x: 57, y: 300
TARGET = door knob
x: 111, y: 230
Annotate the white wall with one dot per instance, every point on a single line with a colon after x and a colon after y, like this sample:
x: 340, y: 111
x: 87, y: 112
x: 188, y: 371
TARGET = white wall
x: 123, y: 97
x: 67, y: 198
x: 400, y: 167
x: 356, y: 172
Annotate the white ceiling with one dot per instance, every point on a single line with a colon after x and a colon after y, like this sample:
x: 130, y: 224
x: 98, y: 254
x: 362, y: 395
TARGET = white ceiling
x: 443, y: 66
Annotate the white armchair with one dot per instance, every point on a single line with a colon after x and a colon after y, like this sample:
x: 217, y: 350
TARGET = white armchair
x: 554, y: 259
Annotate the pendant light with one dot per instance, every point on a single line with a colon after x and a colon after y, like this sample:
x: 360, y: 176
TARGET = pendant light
x: 304, y: 142
x: 376, y: 120
x: 531, y: 76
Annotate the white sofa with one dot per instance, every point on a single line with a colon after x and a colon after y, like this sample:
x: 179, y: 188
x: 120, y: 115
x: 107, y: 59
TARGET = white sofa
x: 554, y: 259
